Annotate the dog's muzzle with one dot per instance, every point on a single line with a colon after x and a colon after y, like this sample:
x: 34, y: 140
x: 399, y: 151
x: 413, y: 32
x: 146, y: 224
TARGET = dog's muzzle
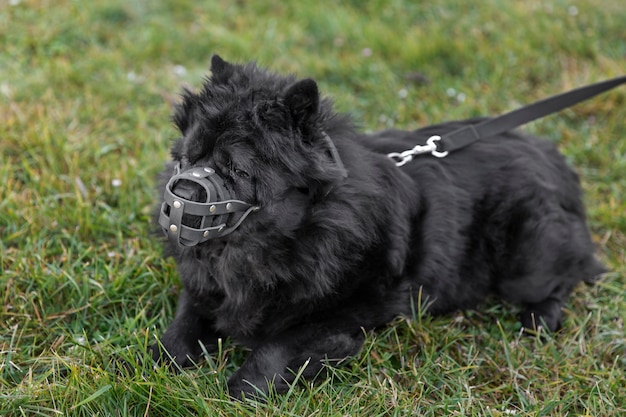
x: 187, y: 222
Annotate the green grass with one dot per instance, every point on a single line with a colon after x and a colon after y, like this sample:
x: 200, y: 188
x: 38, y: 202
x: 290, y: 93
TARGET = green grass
x: 86, y: 90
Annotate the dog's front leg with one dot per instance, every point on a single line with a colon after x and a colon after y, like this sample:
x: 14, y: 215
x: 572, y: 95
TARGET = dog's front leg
x: 182, y: 340
x: 303, y: 350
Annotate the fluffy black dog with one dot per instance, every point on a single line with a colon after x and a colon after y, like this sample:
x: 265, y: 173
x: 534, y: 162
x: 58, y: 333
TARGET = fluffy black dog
x: 336, y: 239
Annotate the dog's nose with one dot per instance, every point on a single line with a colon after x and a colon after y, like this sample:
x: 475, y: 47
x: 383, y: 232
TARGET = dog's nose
x: 188, y: 190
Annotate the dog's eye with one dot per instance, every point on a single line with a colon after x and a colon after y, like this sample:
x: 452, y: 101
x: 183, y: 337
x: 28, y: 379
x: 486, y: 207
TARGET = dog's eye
x: 241, y: 173
x: 236, y: 170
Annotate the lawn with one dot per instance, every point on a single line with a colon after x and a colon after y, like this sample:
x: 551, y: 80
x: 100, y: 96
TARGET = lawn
x: 86, y: 93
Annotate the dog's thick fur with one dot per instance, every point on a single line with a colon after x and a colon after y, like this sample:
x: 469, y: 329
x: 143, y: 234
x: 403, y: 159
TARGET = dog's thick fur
x: 328, y: 256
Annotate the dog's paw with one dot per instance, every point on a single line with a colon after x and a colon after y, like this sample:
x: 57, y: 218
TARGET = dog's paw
x: 172, y: 355
x: 534, y: 322
x: 240, y: 390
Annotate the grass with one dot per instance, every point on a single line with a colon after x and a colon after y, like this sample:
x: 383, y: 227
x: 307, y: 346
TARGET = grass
x: 85, y: 97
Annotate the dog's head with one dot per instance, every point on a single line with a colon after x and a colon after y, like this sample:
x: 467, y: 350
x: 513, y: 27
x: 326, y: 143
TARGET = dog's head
x: 253, y: 152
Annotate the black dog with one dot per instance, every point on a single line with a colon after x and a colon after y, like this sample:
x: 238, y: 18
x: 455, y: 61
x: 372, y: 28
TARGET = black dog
x: 326, y: 237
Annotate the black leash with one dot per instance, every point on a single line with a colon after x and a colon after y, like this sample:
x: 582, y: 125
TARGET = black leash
x: 440, y: 146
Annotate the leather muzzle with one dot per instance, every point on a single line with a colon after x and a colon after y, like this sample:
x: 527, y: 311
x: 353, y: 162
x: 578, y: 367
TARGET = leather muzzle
x: 187, y: 222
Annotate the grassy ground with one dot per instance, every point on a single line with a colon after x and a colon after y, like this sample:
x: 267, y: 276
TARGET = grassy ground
x: 86, y: 89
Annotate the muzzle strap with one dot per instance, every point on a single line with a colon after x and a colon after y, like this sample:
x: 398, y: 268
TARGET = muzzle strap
x: 174, y: 225
x: 183, y: 235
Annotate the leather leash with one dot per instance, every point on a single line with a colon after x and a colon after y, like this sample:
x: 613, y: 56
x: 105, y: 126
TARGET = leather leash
x: 440, y: 146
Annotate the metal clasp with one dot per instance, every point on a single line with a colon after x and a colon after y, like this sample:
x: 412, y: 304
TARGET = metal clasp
x: 401, y: 158
x: 432, y: 142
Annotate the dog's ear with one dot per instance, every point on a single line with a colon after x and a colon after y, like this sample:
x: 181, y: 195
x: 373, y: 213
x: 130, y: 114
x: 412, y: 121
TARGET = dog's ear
x: 303, y: 100
x: 220, y: 69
